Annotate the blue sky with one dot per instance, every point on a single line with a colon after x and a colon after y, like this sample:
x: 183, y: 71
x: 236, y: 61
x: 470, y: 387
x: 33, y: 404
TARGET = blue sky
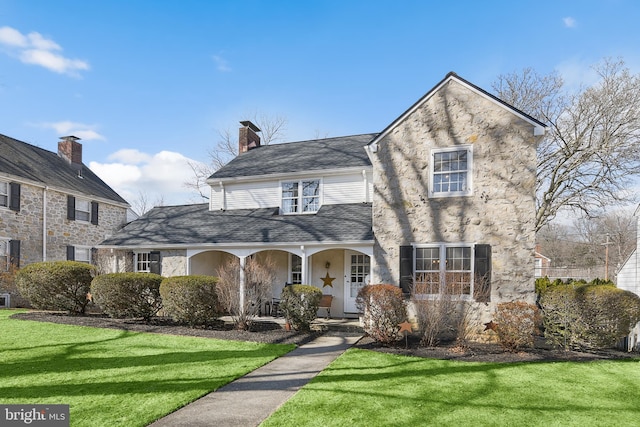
x: 148, y: 85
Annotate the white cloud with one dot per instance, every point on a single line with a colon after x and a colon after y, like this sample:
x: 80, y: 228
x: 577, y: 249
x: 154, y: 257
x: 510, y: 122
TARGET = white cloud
x: 569, y: 22
x: 158, y: 176
x: 221, y: 63
x: 81, y: 130
x: 35, y: 49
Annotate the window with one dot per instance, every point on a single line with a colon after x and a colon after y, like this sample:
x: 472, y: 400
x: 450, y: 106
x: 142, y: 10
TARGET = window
x: 444, y: 270
x: 82, y: 254
x: 450, y: 172
x: 143, y: 262
x: 83, y: 210
x: 5, y: 254
x: 4, y: 194
x: 301, y: 196
x: 296, y: 270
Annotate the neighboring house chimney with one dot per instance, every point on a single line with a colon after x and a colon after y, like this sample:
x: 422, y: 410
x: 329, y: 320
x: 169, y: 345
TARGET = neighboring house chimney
x: 248, y: 138
x: 70, y: 149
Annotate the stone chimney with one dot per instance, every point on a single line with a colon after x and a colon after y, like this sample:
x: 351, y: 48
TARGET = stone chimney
x: 248, y: 138
x: 70, y: 149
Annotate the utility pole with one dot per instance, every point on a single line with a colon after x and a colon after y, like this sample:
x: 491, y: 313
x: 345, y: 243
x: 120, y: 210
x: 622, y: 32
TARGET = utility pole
x: 606, y: 258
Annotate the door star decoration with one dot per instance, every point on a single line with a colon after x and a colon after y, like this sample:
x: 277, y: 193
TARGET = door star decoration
x: 327, y: 280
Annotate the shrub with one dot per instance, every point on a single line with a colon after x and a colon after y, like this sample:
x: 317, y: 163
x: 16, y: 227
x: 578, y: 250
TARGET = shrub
x: 259, y: 276
x: 299, y: 305
x: 128, y: 295
x: 383, y: 310
x: 190, y: 299
x: 60, y: 285
x: 588, y: 316
x: 516, y: 324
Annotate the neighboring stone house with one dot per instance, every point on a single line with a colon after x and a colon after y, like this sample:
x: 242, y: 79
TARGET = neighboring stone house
x: 628, y: 278
x: 442, y: 199
x: 52, y: 207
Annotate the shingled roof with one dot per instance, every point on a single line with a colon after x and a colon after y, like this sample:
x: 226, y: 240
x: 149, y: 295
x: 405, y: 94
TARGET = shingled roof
x: 32, y: 163
x: 317, y: 154
x: 168, y: 226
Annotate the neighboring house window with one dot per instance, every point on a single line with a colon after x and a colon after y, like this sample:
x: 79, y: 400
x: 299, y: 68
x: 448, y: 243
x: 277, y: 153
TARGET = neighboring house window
x: 301, y: 196
x: 296, y: 270
x: 82, y: 210
x: 143, y: 262
x: 444, y: 270
x: 451, y: 172
x: 79, y: 253
x: 10, y: 195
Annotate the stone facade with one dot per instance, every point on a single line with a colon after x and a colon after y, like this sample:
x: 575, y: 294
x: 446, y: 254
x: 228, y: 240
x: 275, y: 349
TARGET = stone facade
x: 27, y: 225
x: 500, y: 210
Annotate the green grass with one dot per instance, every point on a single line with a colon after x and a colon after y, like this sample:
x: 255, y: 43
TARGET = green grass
x: 114, y: 377
x: 365, y: 388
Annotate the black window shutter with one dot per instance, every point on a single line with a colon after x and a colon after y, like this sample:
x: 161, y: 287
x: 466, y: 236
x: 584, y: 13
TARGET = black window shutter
x: 71, y: 208
x: 14, y: 191
x: 406, y: 268
x: 71, y: 253
x: 94, y: 213
x: 154, y: 262
x: 14, y: 253
x: 482, y: 283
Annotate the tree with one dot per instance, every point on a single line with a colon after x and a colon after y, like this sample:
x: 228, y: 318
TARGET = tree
x: 591, y: 150
x: 272, y: 129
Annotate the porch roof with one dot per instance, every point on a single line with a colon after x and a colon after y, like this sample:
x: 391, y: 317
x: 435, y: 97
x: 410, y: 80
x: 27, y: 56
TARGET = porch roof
x: 196, y: 224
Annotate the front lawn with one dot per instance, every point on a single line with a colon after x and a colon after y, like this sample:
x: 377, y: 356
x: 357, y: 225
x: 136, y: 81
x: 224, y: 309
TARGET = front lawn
x: 115, y: 377
x: 366, y: 388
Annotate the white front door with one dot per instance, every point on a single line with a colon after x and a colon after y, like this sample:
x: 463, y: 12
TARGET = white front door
x: 356, y: 275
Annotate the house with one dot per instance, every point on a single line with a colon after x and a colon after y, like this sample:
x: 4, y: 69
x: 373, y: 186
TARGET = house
x: 628, y: 278
x: 52, y: 207
x: 441, y: 199
x: 543, y: 263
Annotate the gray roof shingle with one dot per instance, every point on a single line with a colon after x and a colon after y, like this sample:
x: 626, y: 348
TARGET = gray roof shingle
x: 27, y: 161
x: 196, y: 224
x: 318, y: 154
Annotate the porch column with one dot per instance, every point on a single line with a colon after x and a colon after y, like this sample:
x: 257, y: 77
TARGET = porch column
x: 303, y: 266
x: 243, y: 279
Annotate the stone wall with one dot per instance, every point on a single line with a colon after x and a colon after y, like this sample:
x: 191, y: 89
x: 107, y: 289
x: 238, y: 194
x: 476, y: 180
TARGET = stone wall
x: 500, y: 211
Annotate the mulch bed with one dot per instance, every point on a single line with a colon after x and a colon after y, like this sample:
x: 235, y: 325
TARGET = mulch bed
x: 269, y: 332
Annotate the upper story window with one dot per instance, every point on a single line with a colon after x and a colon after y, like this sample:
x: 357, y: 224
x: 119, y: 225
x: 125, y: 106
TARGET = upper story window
x: 451, y: 172
x: 444, y: 270
x: 4, y: 254
x: 4, y: 194
x: 301, y: 196
x: 83, y: 210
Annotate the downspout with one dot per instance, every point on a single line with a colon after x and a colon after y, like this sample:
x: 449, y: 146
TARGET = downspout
x: 44, y: 223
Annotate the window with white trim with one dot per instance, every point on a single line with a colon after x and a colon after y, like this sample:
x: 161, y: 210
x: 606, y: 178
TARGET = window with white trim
x: 451, y: 171
x: 5, y: 254
x: 295, y: 273
x: 82, y: 254
x: 143, y: 262
x: 444, y: 269
x: 83, y: 210
x: 301, y: 196
x: 4, y: 194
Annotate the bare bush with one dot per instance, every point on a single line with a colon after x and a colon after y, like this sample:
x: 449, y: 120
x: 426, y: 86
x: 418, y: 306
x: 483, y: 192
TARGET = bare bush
x: 243, y: 305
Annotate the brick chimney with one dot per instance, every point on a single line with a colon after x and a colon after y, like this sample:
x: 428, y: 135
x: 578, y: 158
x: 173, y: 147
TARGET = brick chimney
x: 248, y: 138
x: 70, y: 149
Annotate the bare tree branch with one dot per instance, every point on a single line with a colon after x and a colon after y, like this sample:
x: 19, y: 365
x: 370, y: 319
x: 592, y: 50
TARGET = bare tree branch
x: 591, y: 151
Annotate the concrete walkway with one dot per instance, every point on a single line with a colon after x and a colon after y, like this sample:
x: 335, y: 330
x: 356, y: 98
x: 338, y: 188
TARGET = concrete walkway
x: 249, y: 400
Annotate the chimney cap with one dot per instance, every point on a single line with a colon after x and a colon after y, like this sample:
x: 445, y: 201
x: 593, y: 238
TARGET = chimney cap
x: 70, y: 138
x: 250, y: 125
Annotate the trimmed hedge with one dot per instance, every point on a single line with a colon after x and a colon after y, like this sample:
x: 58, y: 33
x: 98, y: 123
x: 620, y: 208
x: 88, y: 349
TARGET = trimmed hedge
x: 190, y: 299
x: 299, y: 305
x: 128, y: 295
x: 383, y: 310
x: 59, y: 285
